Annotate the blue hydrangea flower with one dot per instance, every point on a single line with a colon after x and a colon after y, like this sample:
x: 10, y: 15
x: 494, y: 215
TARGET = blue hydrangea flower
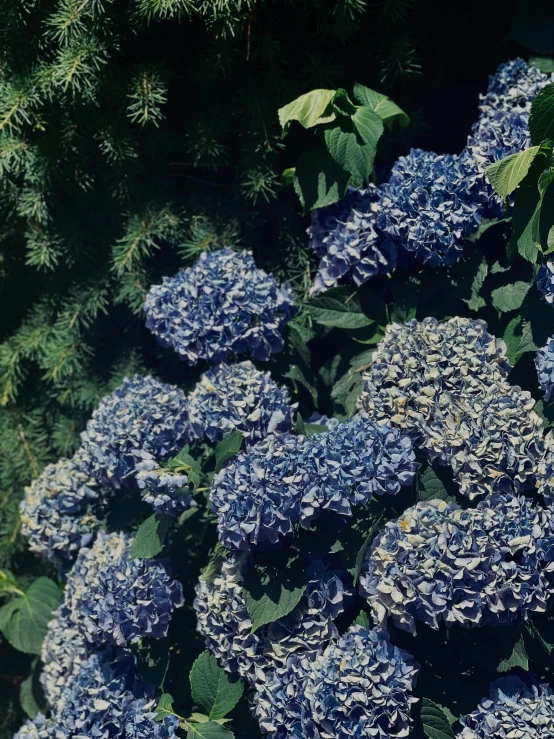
x: 325, y: 220
x: 64, y: 650
x: 166, y: 489
x: 116, y: 599
x: 487, y: 565
x: 544, y: 362
x: 239, y: 397
x: 514, y: 709
x: 544, y: 474
x: 143, y: 414
x: 58, y: 511
x: 38, y: 728
x: 545, y: 281
x: 285, y: 480
x: 222, y: 305
x: 360, y: 685
x: 444, y: 384
x: 223, y: 620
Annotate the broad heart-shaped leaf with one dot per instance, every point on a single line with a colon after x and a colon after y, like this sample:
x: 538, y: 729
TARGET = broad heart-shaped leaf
x: 165, y: 707
x: 353, y: 142
x: 31, y: 695
x: 319, y: 180
x: 543, y: 220
x: 24, y: 620
x: 369, y: 126
x: 362, y: 619
x: 430, y: 486
x: 387, y: 111
x: 507, y: 174
x: 212, y: 688
x: 150, y: 537
x: 332, y: 312
x: 207, y: 730
x: 434, y: 721
x: 518, y: 658
x: 541, y: 120
x: 227, y: 448
x: 308, y: 109
x: 510, y: 297
x: 270, y: 592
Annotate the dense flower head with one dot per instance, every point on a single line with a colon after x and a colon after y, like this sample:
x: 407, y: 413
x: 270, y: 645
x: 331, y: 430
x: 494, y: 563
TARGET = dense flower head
x: 142, y: 414
x: 116, y: 599
x: 359, y: 686
x: 239, y: 397
x: 325, y: 220
x: 544, y: 474
x: 64, y: 650
x: 545, y: 281
x: 58, y: 511
x: 487, y: 565
x: 223, y: 620
x: 514, y: 86
x: 444, y: 384
x: 166, y: 489
x: 514, y: 709
x: 544, y: 362
x: 285, y: 480
x: 222, y: 305
x: 38, y: 728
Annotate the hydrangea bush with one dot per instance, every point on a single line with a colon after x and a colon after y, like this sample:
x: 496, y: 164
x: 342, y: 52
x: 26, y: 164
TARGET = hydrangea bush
x: 350, y: 533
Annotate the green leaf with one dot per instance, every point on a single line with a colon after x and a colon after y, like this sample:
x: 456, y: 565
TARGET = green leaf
x: 308, y: 109
x: 363, y: 549
x: 545, y: 412
x: 227, y: 448
x: 510, y: 297
x: 319, y: 181
x: 382, y: 105
x: 212, y: 688
x: 369, y: 126
x: 430, y: 487
x: 512, y: 337
x: 150, y: 537
x: 544, y: 216
x: 31, y: 695
x: 311, y: 429
x: 24, y: 620
x: 208, y: 730
x: 541, y: 120
x: 295, y: 374
x: 509, y: 172
x: 165, y: 707
x: 271, y: 592
x: 362, y: 619
x: 331, y: 312
x: 184, y: 462
x: 518, y: 658
x: 353, y: 143
x: 434, y: 720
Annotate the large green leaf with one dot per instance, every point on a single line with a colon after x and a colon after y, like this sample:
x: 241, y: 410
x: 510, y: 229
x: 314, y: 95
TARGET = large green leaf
x: 430, y: 486
x: 227, y: 448
x: 308, y: 109
x: 149, y: 540
x: 319, y: 180
x: 332, y: 312
x: 387, y: 111
x: 518, y: 658
x: 212, y: 688
x: 369, y: 126
x: 434, y: 720
x: 270, y: 592
x: 508, y: 173
x: 31, y: 694
x: 510, y: 297
x: 353, y: 143
x: 164, y: 707
x: 541, y: 120
x: 24, y: 620
x: 207, y: 730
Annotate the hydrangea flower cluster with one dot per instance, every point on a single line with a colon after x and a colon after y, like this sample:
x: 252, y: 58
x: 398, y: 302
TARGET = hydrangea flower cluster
x: 544, y: 362
x: 545, y: 281
x: 431, y: 202
x: 514, y: 709
x: 223, y: 620
x: 444, y: 384
x: 487, y: 565
x: 222, y: 305
x: 284, y: 480
x: 317, y: 419
x: 58, y: 512
x: 141, y: 415
x: 166, y: 489
x: 239, y: 397
x: 360, y: 685
x: 64, y: 650
x: 117, y: 599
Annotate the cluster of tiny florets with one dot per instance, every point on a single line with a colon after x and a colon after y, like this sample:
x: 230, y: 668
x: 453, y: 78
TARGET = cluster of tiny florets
x: 444, y: 384
x: 222, y: 305
x: 239, y: 397
x: 224, y: 622
x: 514, y: 709
x: 285, y: 480
x: 487, y: 565
x: 141, y: 415
x: 166, y: 489
x: 544, y: 362
x: 117, y: 599
x: 545, y: 281
x: 360, y: 685
x: 58, y: 512
x: 431, y: 202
